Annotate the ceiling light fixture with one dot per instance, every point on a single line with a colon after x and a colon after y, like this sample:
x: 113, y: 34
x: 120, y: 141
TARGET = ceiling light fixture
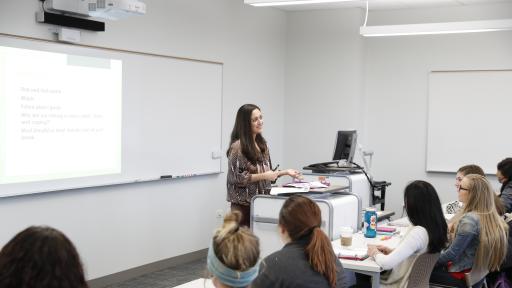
x: 261, y: 3
x: 434, y: 28
x: 437, y: 28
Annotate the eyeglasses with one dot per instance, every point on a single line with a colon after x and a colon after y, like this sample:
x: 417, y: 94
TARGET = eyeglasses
x: 462, y: 188
x: 254, y: 120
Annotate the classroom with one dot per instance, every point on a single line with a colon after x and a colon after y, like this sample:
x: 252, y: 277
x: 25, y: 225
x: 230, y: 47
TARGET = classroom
x: 311, y: 73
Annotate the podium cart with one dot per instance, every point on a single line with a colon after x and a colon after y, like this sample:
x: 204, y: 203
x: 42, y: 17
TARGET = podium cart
x: 339, y: 209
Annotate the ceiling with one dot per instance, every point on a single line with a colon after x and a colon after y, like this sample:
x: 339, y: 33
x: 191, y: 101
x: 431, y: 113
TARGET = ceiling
x: 387, y: 4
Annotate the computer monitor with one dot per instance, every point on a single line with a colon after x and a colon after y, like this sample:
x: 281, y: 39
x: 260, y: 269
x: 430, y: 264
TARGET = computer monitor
x: 345, y: 146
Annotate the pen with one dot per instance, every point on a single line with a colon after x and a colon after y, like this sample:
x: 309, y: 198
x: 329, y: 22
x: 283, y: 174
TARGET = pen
x: 275, y: 168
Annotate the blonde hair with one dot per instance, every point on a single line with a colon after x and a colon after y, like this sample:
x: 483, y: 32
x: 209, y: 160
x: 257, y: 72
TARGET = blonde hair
x: 493, y: 229
x: 236, y: 247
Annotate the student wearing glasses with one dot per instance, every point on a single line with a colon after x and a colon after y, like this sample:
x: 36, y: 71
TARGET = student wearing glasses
x: 504, y: 175
x: 249, y: 166
x: 455, y: 206
x: 480, y: 239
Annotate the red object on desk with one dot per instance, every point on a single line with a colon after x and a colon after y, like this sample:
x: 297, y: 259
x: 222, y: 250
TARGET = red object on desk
x: 386, y: 229
x: 353, y: 258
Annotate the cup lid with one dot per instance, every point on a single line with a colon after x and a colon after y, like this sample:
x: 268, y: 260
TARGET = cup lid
x: 346, y: 229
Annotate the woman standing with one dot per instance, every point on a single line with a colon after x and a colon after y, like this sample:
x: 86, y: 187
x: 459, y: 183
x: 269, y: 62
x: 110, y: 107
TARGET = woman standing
x: 250, y: 170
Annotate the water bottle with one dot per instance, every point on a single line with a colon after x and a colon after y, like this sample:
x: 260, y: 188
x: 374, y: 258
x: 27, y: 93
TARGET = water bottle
x: 370, y: 223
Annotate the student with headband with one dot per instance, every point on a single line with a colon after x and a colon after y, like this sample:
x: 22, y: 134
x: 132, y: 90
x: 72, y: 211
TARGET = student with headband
x: 307, y: 259
x: 233, y: 254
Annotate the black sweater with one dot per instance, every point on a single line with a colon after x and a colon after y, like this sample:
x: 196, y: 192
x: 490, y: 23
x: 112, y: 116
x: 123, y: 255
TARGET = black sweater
x: 289, y: 267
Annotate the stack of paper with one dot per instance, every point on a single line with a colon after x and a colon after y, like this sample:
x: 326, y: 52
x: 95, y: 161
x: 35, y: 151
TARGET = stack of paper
x: 309, y: 185
x: 287, y: 190
x: 351, y: 254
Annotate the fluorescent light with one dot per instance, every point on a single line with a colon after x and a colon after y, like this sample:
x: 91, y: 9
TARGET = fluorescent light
x: 261, y: 3
x: 437, y: 28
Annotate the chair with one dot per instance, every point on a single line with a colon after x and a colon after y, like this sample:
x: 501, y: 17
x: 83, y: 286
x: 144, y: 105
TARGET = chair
x: 421, y: 270
x: 471, y: 278
x: 475, y: 276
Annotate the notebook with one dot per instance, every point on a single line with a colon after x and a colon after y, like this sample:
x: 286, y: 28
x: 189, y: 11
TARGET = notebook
x: 351, y: 254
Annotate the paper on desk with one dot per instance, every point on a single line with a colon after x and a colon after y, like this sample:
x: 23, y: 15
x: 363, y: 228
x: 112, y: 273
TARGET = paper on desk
x: 287, y: 190
x: 402, y: 222
x: 353, y: 253
x: 309, y: 185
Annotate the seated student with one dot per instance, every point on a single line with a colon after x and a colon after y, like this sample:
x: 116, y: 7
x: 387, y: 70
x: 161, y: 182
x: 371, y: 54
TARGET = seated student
x: 455, y: 206
x: 427, y: 234
x: 40, y: 257
x: 480, y: 240
x: 506, y: 265
x: 233, y: 254
x: 504, y: 174
x: 307, y: 258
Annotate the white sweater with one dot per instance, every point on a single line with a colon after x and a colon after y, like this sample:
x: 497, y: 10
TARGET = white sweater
x: 414, y: 243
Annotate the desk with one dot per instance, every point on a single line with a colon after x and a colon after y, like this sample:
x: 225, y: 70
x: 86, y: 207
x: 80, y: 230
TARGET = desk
x: 198, y: 283
x: 367, y: 266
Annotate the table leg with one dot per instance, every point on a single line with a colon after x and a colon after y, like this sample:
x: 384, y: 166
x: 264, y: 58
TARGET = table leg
x: 375, y: 280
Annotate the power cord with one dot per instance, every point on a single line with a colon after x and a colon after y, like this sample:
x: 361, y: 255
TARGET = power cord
x: 365, y: 174
x: 42, y: 5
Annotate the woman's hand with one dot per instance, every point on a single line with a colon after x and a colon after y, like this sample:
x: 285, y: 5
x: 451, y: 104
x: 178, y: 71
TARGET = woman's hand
x: 271, y: 175
x: 292, y: 173
x: 384, y: 249
x: 372, y: 251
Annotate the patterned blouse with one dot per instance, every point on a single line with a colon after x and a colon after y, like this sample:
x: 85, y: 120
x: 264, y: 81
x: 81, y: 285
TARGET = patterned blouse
x: 240, y: 189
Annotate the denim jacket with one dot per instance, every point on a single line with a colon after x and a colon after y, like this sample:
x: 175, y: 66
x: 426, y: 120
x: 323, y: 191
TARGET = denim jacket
x: 462, y: 250
x: 506, y: 197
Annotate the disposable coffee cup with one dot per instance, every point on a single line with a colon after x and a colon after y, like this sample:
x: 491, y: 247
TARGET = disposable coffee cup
x: 346, y: 236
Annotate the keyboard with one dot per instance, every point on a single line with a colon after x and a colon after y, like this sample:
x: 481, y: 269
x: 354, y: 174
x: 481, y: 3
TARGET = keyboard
x: 331, y: 166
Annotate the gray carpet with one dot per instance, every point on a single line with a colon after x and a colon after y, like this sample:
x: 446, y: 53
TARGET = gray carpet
x: 167, y: 278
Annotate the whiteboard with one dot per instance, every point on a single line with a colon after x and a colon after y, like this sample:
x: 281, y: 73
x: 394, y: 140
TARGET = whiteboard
x: 468, y: 119
x: 171, y: 117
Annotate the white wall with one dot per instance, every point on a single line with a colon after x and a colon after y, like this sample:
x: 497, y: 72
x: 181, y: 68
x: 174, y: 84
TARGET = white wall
x: 396, y: 82
x: 119, y: 227
x: 390, y: 110
x: 324, y: 79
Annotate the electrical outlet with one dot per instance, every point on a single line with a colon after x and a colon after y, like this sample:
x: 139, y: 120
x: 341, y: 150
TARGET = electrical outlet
x: 219, y: 213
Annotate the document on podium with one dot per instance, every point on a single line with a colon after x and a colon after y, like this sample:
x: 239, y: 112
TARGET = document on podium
x: 288, y: 190
x: 309, y: 185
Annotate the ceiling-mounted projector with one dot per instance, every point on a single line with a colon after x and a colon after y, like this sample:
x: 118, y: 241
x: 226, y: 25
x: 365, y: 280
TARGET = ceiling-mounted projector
x: 116, y: 9
x: 107, y: 9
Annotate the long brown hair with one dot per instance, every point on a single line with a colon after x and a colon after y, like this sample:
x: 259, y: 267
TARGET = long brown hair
x: 40, y: 257
x: 301, y: 217
x: 493, y: 229
x: 236, y: 247
x: 242, y: 131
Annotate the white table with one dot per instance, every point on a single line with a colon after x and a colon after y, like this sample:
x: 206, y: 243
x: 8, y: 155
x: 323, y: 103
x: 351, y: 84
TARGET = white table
x: 368, y: 266
x: 198, y: 283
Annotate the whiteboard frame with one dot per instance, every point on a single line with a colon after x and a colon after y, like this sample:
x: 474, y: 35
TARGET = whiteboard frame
x: 122, y: 182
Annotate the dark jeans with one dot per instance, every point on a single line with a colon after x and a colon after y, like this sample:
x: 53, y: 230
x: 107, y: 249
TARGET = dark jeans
x: 246, y: 213
x: 363, y: 281
x: 442, y: 277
